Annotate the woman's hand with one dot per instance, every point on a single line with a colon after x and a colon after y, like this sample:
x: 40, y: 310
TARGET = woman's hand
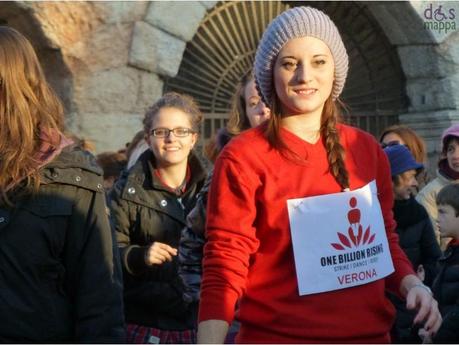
x: 158, y: 253
x: 419, y: 297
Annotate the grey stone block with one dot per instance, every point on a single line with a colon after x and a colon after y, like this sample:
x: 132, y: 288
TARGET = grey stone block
x: 150, y: 90
x: 401, y: 22
x: 108, y: 91
x: 155, y: 50
x: 209, y: 4
x: 179, y: 18
x: 426, y: 61
x: 123, y: 11
x: 431, y: 94
x: 430, y: 125
x: 110, y: 131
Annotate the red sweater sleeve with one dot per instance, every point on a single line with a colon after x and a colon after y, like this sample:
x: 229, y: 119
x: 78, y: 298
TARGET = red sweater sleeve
x: 401, y: 263
x: 231, y: 238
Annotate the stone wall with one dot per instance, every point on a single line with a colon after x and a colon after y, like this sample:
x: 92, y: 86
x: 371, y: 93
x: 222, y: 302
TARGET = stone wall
x: 430, y: 61
x: 108, y: 60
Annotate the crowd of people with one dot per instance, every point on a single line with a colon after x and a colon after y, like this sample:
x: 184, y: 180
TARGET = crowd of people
x: 304, y: 229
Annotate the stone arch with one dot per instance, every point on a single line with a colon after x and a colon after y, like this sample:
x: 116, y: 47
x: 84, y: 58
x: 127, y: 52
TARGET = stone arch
x: 429, y: 61
x: 213, y: 63
x: 425, y: 61
x: 21, y: 16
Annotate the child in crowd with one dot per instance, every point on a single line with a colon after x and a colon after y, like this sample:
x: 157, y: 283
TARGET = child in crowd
x: 446, y: 285
x: 448, y: 172
x: 417, y: 237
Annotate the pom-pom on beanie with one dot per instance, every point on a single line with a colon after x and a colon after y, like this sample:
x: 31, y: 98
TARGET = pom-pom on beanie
x: 294, y: 23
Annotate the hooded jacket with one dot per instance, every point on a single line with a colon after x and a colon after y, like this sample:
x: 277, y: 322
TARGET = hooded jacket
x: 59, y: 270
x: 143, y: 211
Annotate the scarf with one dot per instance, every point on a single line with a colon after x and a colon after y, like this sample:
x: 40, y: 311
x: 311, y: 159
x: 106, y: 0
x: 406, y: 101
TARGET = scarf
x: 446, y: 170
x: 47, y: 151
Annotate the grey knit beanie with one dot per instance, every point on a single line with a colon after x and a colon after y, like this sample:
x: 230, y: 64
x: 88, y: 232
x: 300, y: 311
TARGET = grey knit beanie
x: 294, y: 23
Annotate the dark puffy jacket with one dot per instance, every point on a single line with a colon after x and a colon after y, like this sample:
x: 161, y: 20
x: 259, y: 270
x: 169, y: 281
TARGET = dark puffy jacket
x: 446, y: 292
x: 192, y: 244
x: 417, y: 239
x: 143, y: 211
x: 59, y: 281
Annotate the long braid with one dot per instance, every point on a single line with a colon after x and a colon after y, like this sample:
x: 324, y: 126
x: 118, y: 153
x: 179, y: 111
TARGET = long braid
x: 334, y: 148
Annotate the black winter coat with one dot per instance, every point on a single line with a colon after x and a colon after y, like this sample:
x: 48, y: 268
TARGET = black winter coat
x: 446, y: 292
x: 417, y: 239
x: 59, y: 281
x: 191, y: 245
x: 143, y: 211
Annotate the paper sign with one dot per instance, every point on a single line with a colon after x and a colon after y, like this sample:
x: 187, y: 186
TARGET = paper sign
x: 339, y: 240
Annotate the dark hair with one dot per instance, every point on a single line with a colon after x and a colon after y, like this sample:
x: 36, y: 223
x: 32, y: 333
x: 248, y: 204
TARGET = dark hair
x: 331, y: 115
x: 397, y: 179
x: 131, y: 146
x: 446, y: 143
x: 449, y: 195
x: 175, y: 100
x: 112, y: 163
x: 238, y: 120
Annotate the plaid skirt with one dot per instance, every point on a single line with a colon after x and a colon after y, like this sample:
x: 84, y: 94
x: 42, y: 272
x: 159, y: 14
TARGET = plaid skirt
x: 146, y: 335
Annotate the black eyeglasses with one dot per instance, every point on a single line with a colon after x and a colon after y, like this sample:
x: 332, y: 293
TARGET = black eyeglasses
x: 179, y: 132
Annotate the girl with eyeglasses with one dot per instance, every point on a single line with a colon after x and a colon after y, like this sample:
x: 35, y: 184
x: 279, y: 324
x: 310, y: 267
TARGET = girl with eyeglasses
x: 149, y: 204
x: 60, y: 280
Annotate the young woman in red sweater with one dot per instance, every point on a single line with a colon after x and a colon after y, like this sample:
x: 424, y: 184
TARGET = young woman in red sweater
x: 297, y: 276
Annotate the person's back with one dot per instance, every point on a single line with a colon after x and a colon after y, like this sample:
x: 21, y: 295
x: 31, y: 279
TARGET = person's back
x: 446, y: 284
x: 59, y: 270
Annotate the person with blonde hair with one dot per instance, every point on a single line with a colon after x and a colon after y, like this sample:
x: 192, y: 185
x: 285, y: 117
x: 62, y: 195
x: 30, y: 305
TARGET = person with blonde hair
x: 149, y: 204
x: 60, y: 274
x: 299, y: 224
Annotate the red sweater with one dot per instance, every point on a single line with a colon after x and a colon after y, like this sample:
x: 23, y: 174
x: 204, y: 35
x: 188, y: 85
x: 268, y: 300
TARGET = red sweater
x: 249, y: 254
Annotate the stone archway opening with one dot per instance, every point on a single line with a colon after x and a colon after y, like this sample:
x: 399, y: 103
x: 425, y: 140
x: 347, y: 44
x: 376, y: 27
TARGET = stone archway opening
x: 223, y: 48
